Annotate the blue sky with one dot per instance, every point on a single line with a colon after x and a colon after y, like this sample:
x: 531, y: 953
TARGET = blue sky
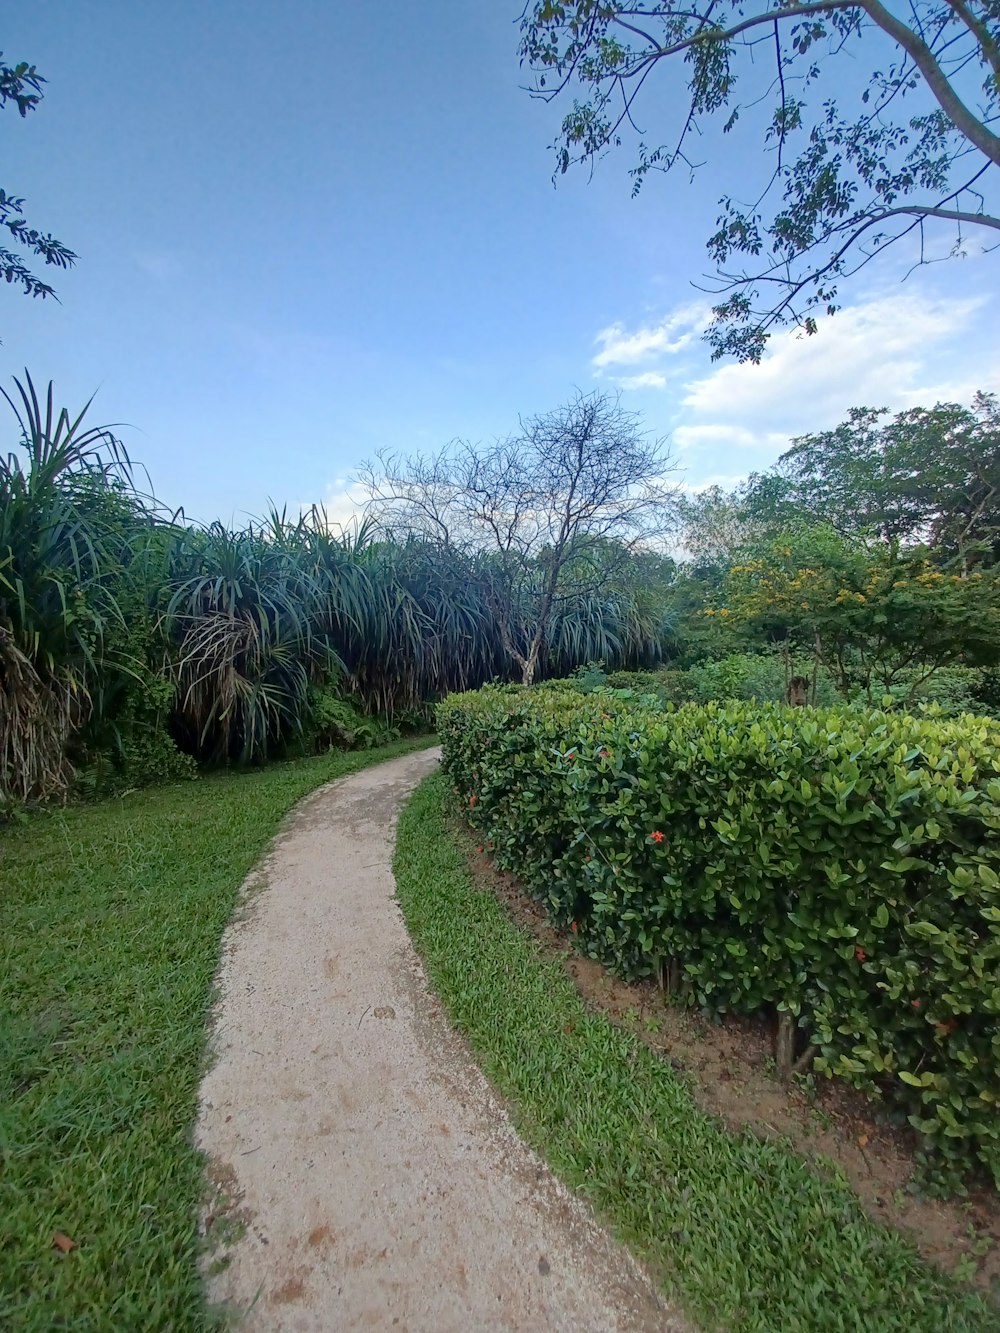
x: 308, y: 231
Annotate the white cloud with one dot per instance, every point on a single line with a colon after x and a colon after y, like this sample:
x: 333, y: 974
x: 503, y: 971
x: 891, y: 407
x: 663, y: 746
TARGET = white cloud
x: 649, y: 379
x: 719, y: 434
x: 671, y: 335
x: 882, y: 353
x: 343, y: 505
x: 896, y: 350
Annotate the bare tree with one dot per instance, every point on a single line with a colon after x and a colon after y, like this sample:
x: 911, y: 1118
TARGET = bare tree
x: 550, y: 514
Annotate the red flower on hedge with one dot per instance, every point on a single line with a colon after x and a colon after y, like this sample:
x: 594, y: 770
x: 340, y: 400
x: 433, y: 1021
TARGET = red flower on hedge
x: 472, y: 801
x: 572, y: 926
x: 915, y: 1004
x: 657, y: 836
x: 604, y: 754
x: 860, y: 955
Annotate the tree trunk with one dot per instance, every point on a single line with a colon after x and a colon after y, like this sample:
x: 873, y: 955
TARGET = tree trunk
x: 797, y: 693
x: 784, y: 1056
x: 670, y: 976
x: 530, y: 664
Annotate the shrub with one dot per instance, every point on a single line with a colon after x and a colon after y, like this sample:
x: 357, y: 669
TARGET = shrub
x: 835, y: 865
x: 666, y: 685
x: 759, y: 676
x: 136, y: 749
x: 334, y: 723
x: 954, y: 689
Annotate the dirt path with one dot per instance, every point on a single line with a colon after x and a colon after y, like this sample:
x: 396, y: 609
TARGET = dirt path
x: 378, y: 1177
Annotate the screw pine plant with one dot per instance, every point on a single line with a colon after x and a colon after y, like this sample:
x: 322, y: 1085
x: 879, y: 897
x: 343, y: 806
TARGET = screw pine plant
x: 125, y: 631
x: 56, y: 605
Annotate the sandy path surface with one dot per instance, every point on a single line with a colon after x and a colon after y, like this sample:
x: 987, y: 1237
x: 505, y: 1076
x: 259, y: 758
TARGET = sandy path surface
x: 378, y: 1177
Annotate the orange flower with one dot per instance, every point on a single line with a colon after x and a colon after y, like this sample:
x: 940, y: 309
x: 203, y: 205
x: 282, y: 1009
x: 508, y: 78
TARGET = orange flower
x: 860, y: 955
x: 572, y: 926
x: 657, y: 836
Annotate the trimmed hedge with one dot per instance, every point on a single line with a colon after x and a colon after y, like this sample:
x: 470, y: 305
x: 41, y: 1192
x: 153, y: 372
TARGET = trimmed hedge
x: 839, y: 866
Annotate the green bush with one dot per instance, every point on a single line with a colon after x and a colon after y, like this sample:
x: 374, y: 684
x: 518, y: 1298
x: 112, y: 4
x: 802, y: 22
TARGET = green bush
x: 665, y: 685
x: 760, y: 676
x: 146, y: 755
x: 132, y: 747
x: 836, y: 865
x: 953, y: 689
x: 757, y: 676
x: 335, y: 723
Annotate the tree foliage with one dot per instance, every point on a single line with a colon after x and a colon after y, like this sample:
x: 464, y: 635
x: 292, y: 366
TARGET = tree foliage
x: 877, y: 121
x: 871, y: 614
x: 21, y: 87
x: 923, y: 476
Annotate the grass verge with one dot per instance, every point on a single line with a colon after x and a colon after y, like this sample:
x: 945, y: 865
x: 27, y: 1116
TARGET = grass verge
x: 110, y: 921
x: 744, y: 1235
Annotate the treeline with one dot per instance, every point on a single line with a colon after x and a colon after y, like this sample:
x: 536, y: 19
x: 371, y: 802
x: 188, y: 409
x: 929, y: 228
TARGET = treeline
x: 867, y: 559
x: 134, y: 643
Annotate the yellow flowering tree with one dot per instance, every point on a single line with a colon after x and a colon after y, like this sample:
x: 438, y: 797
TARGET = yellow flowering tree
x: 869, y: 614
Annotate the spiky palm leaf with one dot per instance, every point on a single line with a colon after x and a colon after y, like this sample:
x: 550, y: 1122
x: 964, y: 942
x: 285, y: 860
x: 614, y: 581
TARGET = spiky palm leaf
x: 56, y: 602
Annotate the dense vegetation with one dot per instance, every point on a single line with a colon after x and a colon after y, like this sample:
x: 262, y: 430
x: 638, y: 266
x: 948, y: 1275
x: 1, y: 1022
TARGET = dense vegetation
x: 838, y: 867
x: 134, y: 643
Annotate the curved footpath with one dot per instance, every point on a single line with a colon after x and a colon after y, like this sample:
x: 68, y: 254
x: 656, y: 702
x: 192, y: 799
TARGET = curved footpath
x: 376, y: 1173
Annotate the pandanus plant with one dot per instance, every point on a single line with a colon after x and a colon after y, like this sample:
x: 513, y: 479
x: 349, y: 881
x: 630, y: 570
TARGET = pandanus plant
x: 243, y: 616
x: 56, y: 599
x: 229, y: 630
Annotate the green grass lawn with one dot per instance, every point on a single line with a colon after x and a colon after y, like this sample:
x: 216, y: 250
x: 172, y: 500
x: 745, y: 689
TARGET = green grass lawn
x: 744, y: 1234
x: 110, y: 921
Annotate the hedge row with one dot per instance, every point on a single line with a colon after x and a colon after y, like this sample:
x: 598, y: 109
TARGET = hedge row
x: 839, y: 866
